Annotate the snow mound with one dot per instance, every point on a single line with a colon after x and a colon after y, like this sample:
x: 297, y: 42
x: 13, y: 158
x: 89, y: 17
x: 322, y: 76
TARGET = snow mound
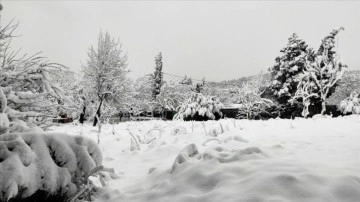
x: 54, y: 163
x: 248, y: 174
x: 190, y: 154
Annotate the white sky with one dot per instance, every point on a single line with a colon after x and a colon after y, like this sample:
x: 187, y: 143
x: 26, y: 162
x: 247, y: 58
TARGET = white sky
x: 212, y: 39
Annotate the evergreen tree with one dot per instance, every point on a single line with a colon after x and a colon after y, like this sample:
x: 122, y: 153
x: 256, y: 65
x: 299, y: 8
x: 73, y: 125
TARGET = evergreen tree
x: 287, y: 67
x: 158, y: 76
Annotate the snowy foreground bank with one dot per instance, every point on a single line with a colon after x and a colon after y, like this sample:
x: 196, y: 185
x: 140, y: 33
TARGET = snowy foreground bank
x: 303, y: 160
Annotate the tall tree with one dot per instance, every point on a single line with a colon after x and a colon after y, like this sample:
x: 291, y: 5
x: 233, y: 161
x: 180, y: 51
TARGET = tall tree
x: 105, y: 72
x: 158, y: 76
x: 287, y: 66
x: 321, y: 75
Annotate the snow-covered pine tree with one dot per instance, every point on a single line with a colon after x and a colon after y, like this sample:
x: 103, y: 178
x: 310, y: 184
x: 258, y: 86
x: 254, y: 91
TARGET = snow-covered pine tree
x: 287, y: 67
x: 105, y: 73
x: 26, y: 81
x: 320, y: 75
x: 158, y: 76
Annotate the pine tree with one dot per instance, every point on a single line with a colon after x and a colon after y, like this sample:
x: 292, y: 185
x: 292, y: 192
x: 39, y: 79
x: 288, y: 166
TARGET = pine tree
x: 105, y: 73
x: 287, y: 67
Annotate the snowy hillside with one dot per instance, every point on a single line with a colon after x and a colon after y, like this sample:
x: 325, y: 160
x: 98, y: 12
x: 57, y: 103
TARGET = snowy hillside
x: 312, y: 160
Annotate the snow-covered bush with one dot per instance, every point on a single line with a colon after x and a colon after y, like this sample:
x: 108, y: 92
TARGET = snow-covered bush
x: 350, y: 105
x: 169, y: 99
x: 28, y: 86
x: 32, y: 161
x: 249, y: 101
x: 199, y: 107
x: 54, y: 163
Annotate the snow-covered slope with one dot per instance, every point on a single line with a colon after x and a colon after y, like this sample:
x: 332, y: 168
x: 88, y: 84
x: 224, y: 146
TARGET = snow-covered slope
x: 302, y: 160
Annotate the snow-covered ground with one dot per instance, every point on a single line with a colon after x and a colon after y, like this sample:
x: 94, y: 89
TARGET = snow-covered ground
x: 302, y: 160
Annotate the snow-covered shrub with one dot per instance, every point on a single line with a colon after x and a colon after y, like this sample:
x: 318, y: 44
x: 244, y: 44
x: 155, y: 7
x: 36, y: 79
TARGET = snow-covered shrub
x: 27, y: 83
x: 350, y: 105
x: 199, y: 107
x: 168, y: 99
x: 35, y: 165
x: 53, y: 163
x: 249, y: 99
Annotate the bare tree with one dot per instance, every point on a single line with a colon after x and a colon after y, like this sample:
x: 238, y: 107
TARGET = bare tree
x: 251, y: 104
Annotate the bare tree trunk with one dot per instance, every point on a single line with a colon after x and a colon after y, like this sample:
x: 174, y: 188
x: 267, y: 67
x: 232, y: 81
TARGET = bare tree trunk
x: 323, y: 107
x: 98, y: 112
x: 82, y: 115
x: 305, y: 113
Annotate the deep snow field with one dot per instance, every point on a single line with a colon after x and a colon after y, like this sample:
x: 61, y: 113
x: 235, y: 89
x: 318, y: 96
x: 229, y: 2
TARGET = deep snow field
x: 301, y: 160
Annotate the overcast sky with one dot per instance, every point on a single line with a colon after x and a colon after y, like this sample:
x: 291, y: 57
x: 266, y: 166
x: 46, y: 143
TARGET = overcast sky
x: 212, y: 39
